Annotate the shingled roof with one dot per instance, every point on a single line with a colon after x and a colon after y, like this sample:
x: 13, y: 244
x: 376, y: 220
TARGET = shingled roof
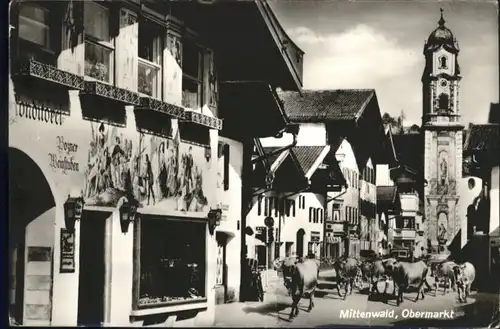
x: 272, y: 159
x: 325, y: 105
x: 307, y: 155
x: 483, y: 138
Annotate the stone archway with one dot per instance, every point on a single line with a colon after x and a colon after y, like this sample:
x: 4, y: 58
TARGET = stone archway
x: 31, y: 240
x: 300, y: 242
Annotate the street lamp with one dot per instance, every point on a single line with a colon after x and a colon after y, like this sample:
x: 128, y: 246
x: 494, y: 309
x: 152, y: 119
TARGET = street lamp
x: 128, y: 213
x: 73, y: 209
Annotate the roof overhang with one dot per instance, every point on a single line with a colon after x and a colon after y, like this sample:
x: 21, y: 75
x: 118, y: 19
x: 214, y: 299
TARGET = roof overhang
x: 251, y: 108
x: 249, y: 41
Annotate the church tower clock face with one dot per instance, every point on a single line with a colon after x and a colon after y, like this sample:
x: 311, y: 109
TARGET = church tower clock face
x: 442, y: 137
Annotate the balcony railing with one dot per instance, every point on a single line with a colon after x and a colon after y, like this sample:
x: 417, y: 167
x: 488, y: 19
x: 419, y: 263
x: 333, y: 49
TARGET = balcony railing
x: 399, y: 233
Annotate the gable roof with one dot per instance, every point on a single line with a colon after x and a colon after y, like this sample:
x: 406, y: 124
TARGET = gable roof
x: 483, y: 138
x: 308, y: 156
x: 325, y: 105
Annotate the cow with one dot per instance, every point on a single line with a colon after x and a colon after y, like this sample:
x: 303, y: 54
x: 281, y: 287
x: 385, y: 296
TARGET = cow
x: 304, y: 279
x: 373, y: 272
x: 465, y: 275
x: 348, y: 271
x: 285, y: 266
x: 406, y: 274
x: 444, y: 273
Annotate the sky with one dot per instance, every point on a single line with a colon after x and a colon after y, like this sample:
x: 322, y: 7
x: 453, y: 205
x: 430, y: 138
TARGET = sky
x: 378, y: 44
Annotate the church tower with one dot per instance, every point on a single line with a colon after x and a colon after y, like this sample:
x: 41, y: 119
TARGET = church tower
x: 442, y: 136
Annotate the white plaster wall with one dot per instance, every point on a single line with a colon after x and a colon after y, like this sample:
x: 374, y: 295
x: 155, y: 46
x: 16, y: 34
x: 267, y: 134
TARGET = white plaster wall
x: 383, y: 177
x: 494, y: 202
x: 37, y: 139
x: 290, y: 224
x: 450, y: 63
x: 310, y: 134
x: 467, y: 196
x: 38, y: 234
x: 347, y: 158
x: 232, y: 222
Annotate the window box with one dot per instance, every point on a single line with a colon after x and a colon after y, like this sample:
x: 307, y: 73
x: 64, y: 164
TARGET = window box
x: 31, y: 68
x: 201, y: 119
x: 160, y: 106
x: 100, y: 89
x: 169, y: 271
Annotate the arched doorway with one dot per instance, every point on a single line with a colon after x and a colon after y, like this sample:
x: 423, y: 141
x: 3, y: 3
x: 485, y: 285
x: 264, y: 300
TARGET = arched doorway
x: 31, y: 239
x: 300, y: 242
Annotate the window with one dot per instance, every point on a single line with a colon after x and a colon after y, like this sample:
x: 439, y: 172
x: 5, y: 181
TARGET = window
x: 266, y: 206
x: 311, y: 214
x: 288, y: 205
x: 259, y: 205
x: 227, y: 159
x: 443, y: 102
x: 192, y: 75
x: 443, y: 62
x: 98, y: 46
x: 34, y: 25
x: 171, y: 269
x: 348, y: 214
x: 293, y: 208
x: 276, y: 207
x: 321, y: 216
x: 150, y: 59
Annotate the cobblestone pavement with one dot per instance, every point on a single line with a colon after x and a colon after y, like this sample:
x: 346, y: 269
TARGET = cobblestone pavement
x: 274, y: 311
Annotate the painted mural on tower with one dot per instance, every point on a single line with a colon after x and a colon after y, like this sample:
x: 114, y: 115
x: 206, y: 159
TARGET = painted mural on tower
x: 156, y: 171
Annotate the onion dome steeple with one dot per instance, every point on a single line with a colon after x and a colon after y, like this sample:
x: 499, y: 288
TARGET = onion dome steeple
x: 441, y: 36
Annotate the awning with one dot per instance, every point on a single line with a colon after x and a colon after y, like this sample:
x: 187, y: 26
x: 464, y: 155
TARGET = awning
x: 251, y: 108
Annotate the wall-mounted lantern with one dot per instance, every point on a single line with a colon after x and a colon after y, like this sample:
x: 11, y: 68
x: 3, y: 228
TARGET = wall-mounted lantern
x: 214, y: 217
x: 128, y: 213
x: 73, y: 209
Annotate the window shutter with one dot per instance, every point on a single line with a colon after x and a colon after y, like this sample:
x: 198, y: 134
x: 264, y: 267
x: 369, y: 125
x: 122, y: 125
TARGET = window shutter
x: 226, y: 167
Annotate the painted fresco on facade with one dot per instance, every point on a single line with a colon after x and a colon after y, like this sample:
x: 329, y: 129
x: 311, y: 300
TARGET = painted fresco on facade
x: 156, y: 171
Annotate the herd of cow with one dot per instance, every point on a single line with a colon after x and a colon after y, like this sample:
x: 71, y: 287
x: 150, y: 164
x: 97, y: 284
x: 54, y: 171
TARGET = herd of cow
x: 301, y: 277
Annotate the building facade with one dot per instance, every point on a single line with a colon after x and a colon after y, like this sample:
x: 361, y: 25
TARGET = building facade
x: 114, y: 140
x: 442, y: 136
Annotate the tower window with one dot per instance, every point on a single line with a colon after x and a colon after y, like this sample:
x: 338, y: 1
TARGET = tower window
x: 443, y: 62
x: 443, y: 102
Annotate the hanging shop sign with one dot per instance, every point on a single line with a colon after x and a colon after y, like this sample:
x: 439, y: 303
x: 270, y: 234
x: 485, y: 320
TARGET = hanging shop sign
x: 315, y: 236
x: 67, y: 264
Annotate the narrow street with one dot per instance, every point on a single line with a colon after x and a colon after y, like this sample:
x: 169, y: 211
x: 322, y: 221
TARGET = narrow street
x: 275, y: 309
